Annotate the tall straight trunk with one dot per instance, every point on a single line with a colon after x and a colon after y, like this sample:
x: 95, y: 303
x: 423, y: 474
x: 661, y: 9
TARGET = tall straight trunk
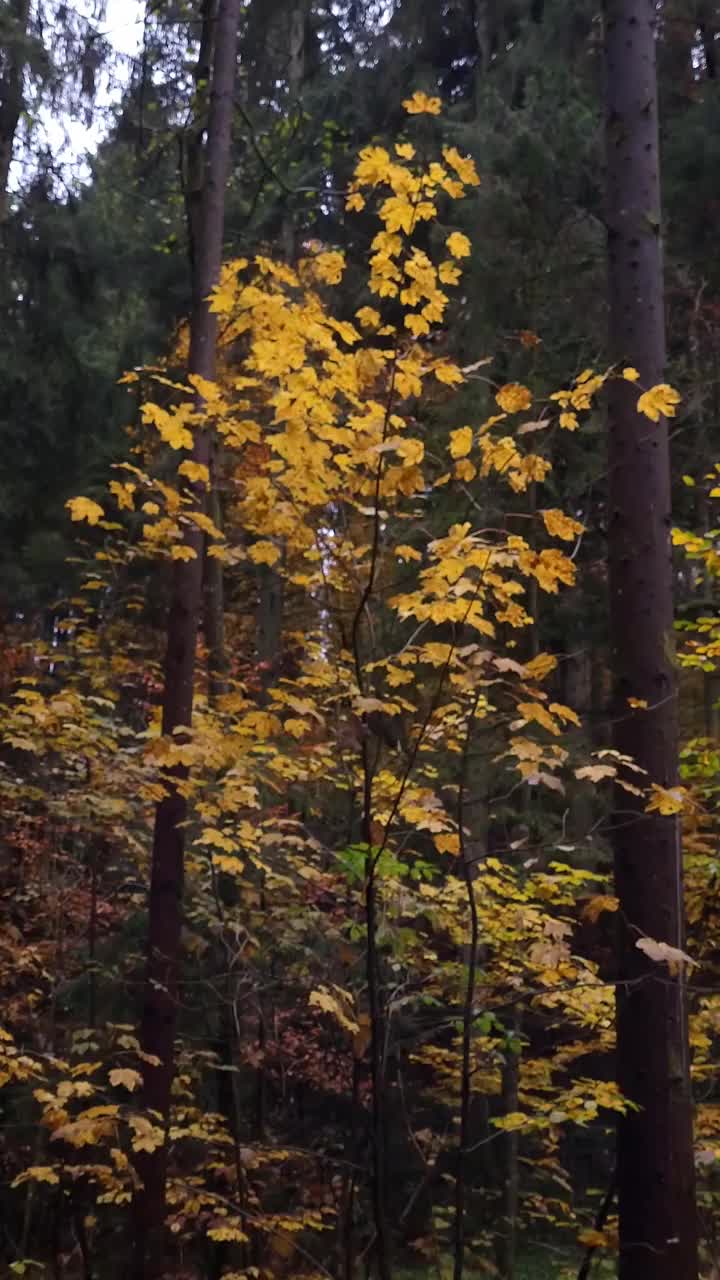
x: 160, y: 997
x: 658, y: 1230
x: 11, y: 94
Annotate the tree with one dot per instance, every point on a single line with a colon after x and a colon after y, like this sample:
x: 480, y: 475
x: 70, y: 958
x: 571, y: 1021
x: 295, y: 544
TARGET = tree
x: 12, y: 66
x: 159, y: 1015
x: 655, y: 1155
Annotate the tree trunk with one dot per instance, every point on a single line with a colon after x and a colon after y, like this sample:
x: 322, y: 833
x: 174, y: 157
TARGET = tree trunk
x: 160, y: 997
x: 658, y: 1239
x: 11, y: 95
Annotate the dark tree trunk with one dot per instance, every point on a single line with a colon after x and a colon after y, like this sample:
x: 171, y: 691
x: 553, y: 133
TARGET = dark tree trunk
x: 159, y: 1014
x: 655, y: 1159
x: 12, y: 61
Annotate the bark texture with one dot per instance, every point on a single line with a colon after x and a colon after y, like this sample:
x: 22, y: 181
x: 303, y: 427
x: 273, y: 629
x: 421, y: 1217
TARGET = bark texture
x: 655, y: 1176
x: 160, y: 1006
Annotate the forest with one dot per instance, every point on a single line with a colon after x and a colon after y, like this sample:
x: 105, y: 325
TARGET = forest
x: 359, y: 639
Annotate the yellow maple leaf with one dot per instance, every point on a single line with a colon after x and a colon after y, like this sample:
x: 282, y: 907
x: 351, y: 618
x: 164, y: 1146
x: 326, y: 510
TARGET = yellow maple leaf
x: 465, y: 470
x: 537, y: 712
x: 449, y: 842
x: 421, y: 104
x: 329, y: 266
x: 458, y: 245
x: 183, y: 552
x: 85, y: 509
x: 405, y: 552
x: 666, y: 800
x: 461, y: 442
x: 368, y: 317
x: 559, y: 525
x: 513, y: 397
x: 211, y: 836
x: 565, y: 713
x: 170, y: 426
x: 449, y: 273
x: 405, y: 150
x: 123, y: 493
x: 37, y: 1173
x: 594, y: 907
x: 541, y: 666
x: 417, y: 324
x: 264, y: 552
x: 338, y: 1003
x: 660, y: 401
x: 195, y: 471
x: 227, y: 1232
x: 448, y: 373
x: 464, y: 166
x: 630, y: 374
x: 125, y: 1077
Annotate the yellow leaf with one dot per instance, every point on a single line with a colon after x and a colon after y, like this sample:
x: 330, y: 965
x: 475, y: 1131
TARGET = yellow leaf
x: 85, y: 509
x: 421, y: 104
x: 640, y: 704
x: 565, y: 713
x: 405, y: 552
x: 183, y: 552
x: 458, y: 245
x: 513, y: 397
x: 537, y: 712
x: 171, y: 426
x: 124, y: 1077
x: 195, y: 471
x: 541, y: 666
x: 630, y: 374
x: 123, y: 494
x: 559, y: 525
x: 512, y: 1121
x: 666, y: 800
x: 450, y: 374
x: 264, y: 552
x: 227, y: 1232
x: 464, y: 166
x: 417, y: 324
x: 461, y: 442
x: 465, y: 470
x: 660, y: 401
x: 447, y: 843
x: 211, y: 836
x: 368, y: 317
x: 37, y: 1173
x: 329, y: 267
x: 338, y: 1003
x: 594, y: 907
x: 208, y: 391
x: 448, y: 273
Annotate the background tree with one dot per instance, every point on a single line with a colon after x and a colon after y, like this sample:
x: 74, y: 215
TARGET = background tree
x: 655, y: 1155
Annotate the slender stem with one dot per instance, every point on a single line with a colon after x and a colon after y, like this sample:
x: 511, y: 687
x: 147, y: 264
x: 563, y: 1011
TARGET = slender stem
x: 468, y: 1007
